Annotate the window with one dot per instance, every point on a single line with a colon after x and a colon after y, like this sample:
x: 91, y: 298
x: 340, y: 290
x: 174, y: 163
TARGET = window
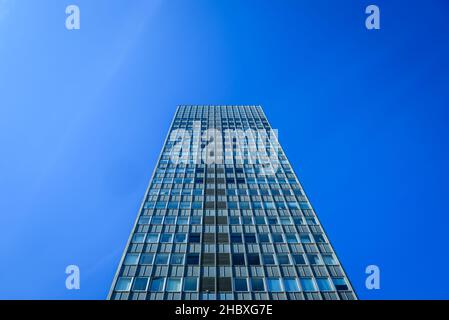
x: 314, y: 259
x: 181, y: 237
x: 238, y: 259
x: 169, y: 220
x: 194, y: 238
x: 195, y: 219
x: 146, y: 258
x: 234, y: 220
x: 144, y: 220
x: 340, y: 284
x: 291, y: 285
x: 209, y: 237
x: 253, y: 259
x: 329, y: 260
x: 323, y: 284
x: 257, y: 284
x: 283, y: 259
x: 268, y: 259
x: 274, y: 285
x: 156, y: 220
x: 285, y: 220
x: 161, y: 258
x: 277, y: 237
x: 224, y: 259
x: 260, y: 220
x: 250, y: 238
x: 246, y: 220
x: 307, y: 284
x: 123, y: 284
x: 256, y: 204
x: 291, y: 238
x: 173, y: 285
x: 223, y: 238
x: 193, y: 259
x: 183, y: 220
x: 269, y: 205
x: 208, y: 259
x: 131, y: 259
x: 139, y: 238
x: 190, y: 284
x: 305, y: 238
x: 319, y: 238
x: 264, y: 238
x: 166, y: 237
x: 222, y: 220
x: 240, y: 284
x: 153, y: 238
x: 224, y: 284
x: 157, y: 284
x: 177, y: 258
x: 208, y: 284
x: 236, y: 238
x: 299, y: 259
x: 140, y: 284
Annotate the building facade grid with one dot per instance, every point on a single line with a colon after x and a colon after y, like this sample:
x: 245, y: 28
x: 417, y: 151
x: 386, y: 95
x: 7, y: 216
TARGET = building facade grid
x: 225, y: 229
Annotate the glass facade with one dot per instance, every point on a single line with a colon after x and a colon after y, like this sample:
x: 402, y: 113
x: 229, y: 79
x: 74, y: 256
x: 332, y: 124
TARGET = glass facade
x: 225, y: 218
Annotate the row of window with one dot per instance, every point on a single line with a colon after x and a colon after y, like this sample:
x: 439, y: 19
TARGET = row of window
x: 224, y: 220
x: 238, y: 259
x: 230, y: 192
x: 221, y: 237
x: 227, y: 284
x: 233, y: 205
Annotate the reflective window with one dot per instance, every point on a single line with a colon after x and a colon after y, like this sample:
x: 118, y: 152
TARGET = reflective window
x: 291, y: 285
x: 157, y: 284
x: 123, y: 284
x: 240, y: 284
x: 140, y: 284
x: 274, y: 284
x: 173, y: 285
x: 257, y: 284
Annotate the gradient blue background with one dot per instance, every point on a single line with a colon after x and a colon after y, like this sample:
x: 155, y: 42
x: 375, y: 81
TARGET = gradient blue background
x: 363, y: 117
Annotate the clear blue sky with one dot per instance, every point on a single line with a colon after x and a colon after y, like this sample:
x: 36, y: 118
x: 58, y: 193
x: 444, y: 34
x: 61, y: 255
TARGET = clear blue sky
x: 363, y: 117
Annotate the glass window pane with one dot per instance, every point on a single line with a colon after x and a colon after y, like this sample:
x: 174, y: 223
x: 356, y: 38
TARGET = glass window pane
x: 291, y: 285
x: 140, y: 284
x: 274, y: 285
x: 131, y: 259
x: 146, y: 258
x: 324, y: 284
x: 157, y: 285
x: 173, y: 285
x: 177, y: 258
x: 257, y: 284
x: 166, y: 237
x: 153, y: 238
x: 307, y: 284
x: 181, y: 237
x: 240, y: 284
x: 161, y: 258
x: 139, y: 238
x: 190, y: 284
x: 123, y: 284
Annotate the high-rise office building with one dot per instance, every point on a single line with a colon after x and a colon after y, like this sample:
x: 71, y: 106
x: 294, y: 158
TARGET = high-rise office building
x: 225, y: 217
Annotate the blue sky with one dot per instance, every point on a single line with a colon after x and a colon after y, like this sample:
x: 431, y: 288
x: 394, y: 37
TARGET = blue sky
x: 362, y: 115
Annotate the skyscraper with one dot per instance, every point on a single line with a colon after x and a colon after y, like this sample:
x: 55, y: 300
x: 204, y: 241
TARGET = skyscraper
x: 225, y: 217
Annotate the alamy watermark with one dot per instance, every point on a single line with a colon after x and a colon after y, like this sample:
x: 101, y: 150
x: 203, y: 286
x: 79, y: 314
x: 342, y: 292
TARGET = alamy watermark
x: 372, y: 282
x: 72, y: 282
x: 73, y: 20
x: 231, y: 146
x: 372, y: 22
